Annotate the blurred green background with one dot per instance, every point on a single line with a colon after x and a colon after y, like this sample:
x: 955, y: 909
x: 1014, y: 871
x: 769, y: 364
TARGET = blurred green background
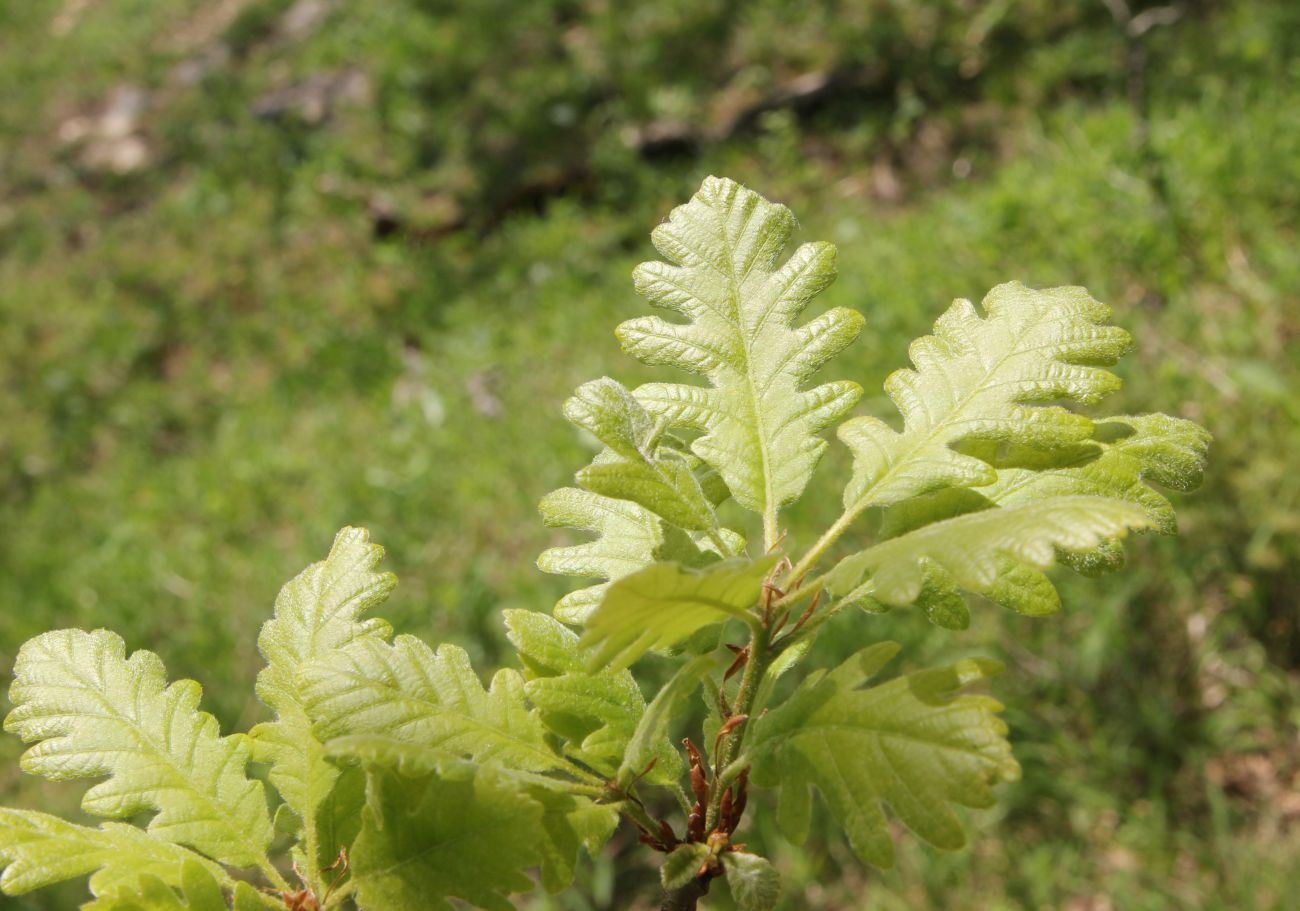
x: 268, y: 267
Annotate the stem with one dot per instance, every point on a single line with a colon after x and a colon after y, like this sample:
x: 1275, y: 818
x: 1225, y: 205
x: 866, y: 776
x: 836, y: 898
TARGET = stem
x: 716, y: 537
x: 809, y: 560
x: 770, y: 531
x: 637, y: 813
x: 759, y: 658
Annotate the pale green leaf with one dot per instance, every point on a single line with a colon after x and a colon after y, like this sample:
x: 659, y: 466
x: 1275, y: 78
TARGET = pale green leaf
x: 426, y: 839
x: 971, y: 549
x: 909, y: 743
x: 317, y: 612
x: 596, y: 713
x: 199, y: 890
x: 569, y: 823
x: 682, y: 865
x: 38, y: 850
x: 638, y: 465
x: 627, y: 536
x: 755, y: 885
x: 985, y: 379
x: 1130, y: 453
x: 664, y: 604
x: 96, y: 713
x: 434, y: 702
x: 759, y: 424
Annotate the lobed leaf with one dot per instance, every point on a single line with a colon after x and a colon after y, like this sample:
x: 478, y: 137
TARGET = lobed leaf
x: 1131, y: 453
x: 909, y: 743
x: 759, y: 425
x: 569, y: 823
x: 985, y: 379
x: 627, y: 537
x: 638, y: 464
x: 430, y: 700
x: 316, y: 613
x: 971, y: 551
x: 596, y: 713
x: 665, y: 604
x: 93, y: 713
x: 646, y: 742
x: 38, y: 850
x: 426, y: 839
x: 199, y: 890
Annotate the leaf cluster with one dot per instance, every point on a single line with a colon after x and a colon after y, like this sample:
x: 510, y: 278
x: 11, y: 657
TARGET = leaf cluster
x: 395, y: 778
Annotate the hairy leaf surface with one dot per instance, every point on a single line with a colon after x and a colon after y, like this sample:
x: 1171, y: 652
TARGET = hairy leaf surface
x: 199, y: 890
x: 651, y: 731
x: 972, y: 550
x: 985, y: 378
x: 723, y: 275
x: 666, y: 603
x: 682, y: 864
x: 637, y: 465
x: 627, y: 537
x: 95, y: 712
x: 1130, y: 454
x: 316, y: 613
x: 426, y: 839
x: 432, y: 701
x: 909, y: 743
x: 38, y: 850
x: 754, y: 883
x: 597, y: 713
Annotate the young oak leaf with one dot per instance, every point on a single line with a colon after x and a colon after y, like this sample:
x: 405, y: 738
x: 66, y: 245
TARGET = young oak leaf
x: 569, y: 822
x: 199, y: 889
x: 627, y: 536
x: 759, y: 425
x: 38, y: 850
x: 597, y: 713
x: 909, y: 743
x: 433, y: 702
x: 665, y: 604
x: 1133, y: 453
x: 94, y: 712
x: 985, y: 378
x: 682, y: 865
x: 316, y: 613
x: 754, y: 883
x: 637, y: 466
x: 426, y: 839
x: 972, y: 549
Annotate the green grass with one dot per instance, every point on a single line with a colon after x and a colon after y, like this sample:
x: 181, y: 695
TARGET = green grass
x: 209, y: 367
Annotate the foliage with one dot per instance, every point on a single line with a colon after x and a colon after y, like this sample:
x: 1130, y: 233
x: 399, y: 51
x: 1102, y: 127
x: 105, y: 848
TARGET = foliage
x: 403, y: 782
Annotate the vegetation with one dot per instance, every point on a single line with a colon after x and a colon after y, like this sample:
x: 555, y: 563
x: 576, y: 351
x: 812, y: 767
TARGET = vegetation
x: 261, y: 332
